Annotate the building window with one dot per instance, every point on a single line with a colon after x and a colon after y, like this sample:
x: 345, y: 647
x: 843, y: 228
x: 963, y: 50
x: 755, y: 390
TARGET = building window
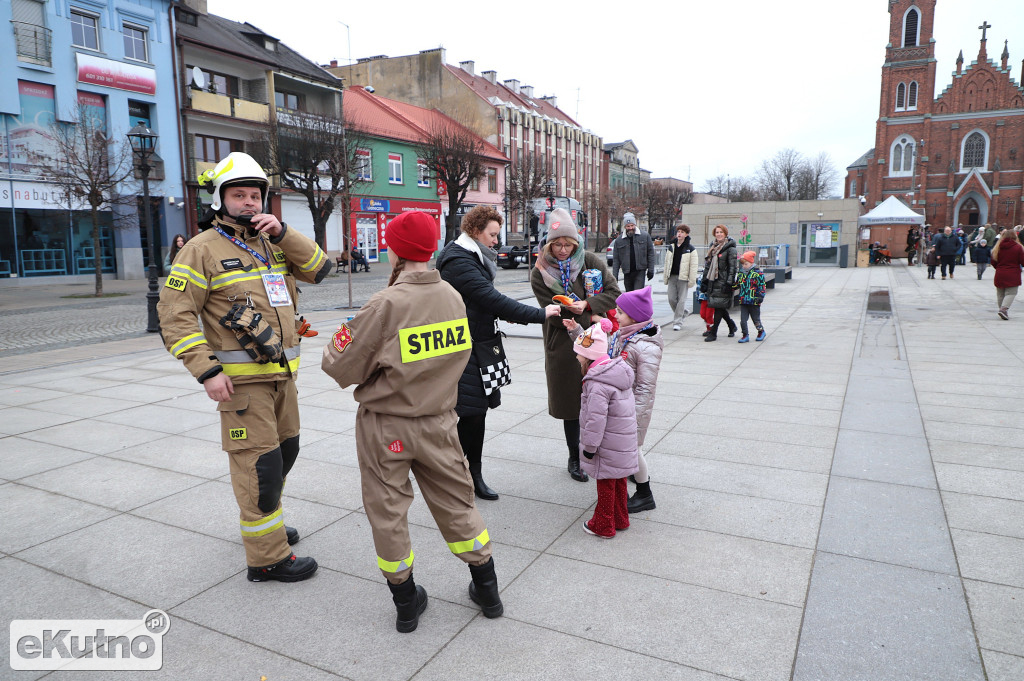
x: 289, y: 100
x: 974, y: 151
x: 910, y: 27
x: 84, y: 30
x: 211, y: 149
x: 902, y: 162
x: 901, y: 97
x: 135, y: 43
x: 220, y: 83
x: 912, y: 97
x: 474, y: 184
x: 395, y: 168
x: 422, y: 173
x: 853, y: 188
x: 364, y: 164
x: 492, y: 180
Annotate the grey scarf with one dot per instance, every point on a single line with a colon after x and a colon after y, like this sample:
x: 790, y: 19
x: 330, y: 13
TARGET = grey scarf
x: 490, y: 260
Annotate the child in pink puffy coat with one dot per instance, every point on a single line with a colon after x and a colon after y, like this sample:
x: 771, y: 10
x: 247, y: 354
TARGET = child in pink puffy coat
x: 608, y: 434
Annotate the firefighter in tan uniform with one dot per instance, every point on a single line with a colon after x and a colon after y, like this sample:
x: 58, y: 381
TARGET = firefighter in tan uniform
x: 238, y: 277
x: 405, y: 351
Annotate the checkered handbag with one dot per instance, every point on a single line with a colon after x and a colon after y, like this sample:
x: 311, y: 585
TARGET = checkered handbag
x: 494, y: 370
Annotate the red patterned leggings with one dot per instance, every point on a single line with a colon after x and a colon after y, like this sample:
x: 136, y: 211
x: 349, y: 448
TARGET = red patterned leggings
x: 611, y: 513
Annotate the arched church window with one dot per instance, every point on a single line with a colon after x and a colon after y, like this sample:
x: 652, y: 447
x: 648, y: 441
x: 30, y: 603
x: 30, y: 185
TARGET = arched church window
x: 974, y: 151
x: 901, y: 97
x: 897, y: 158
x: 912, y: 96
x: 902, y: 157
x: 910, y: 21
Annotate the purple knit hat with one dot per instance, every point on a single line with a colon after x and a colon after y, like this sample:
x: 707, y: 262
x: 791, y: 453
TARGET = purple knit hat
x: 637, y: 304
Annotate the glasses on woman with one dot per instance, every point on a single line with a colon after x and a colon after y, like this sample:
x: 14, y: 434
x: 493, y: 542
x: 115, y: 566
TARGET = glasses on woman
x: 562, y: 247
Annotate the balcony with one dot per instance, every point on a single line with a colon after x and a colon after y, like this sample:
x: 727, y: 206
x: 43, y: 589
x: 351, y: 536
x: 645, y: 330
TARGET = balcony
x: 234, y: 107
x: 33, y: 43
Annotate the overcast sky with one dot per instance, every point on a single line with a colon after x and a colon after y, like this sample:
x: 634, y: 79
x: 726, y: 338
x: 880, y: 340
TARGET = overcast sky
x: 702, y: 88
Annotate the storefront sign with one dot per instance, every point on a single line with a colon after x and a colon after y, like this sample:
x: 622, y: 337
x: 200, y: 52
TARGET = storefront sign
x: 375, y: 205
x: 116, y: 74
x: 33, y: 195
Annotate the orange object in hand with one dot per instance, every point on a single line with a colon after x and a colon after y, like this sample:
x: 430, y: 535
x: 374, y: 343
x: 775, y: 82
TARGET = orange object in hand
x: 304, y: 329
x: 563, y: 300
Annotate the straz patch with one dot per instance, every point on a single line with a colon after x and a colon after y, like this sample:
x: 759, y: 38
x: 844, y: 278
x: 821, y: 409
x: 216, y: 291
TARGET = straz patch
x: 279, y: 256
x: 342, y: 337
x: 434, y: 340
x: 396, y: 446
x: 231, y: 264
x: 237, y: 434
x: 177, y: 283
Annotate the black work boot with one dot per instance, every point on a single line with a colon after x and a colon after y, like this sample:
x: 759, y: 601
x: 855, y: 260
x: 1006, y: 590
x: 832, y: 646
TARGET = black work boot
x: 642, y: 499
x: 574, y: 469
x: 483, y: 590
x: 292, y: 534
x: 291, y: 569
x: 410, y: 601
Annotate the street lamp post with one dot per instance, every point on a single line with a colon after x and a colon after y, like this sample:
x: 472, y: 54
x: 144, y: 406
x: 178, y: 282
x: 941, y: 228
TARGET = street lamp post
x: 143, y: 141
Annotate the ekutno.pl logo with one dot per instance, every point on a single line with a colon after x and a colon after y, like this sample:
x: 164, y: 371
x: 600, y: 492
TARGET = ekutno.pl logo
x: 80, y: 645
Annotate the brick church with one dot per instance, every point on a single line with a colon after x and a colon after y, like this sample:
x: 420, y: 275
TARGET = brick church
x: 957, y: 158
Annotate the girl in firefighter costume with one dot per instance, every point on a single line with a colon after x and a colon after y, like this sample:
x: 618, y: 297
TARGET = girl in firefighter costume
x: 405, y: 352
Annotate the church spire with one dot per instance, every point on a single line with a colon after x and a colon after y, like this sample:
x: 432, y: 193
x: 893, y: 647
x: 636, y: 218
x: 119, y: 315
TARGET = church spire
x: 982, y: 52
x: 1006, y: 53
x: 960, y: 62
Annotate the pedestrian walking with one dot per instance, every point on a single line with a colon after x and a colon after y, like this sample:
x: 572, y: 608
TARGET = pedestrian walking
x: 608, y: 429
x: 751, y: 291
x: 405, y: 351
x: 239, y: 277
x: 913, y: 236
x: 706, y: 313
x: 683, y: 269
x: 469, y: 264
x: 947, y: 245
x: 931, y: 259
x: 962, y: 251
x: 719, y: 278
x: 981, y: 255
x: 633, y: 253
x: 559, y: 272
x: 177, y: 243
x: 1008, y: 259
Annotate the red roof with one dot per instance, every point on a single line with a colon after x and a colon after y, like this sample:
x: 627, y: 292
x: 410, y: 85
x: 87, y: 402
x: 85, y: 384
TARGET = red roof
x: 384, y: 117
x: 486, y: 89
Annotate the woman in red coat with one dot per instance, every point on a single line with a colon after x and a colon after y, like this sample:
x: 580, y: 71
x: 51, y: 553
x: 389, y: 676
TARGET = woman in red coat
x: 1008, y: 259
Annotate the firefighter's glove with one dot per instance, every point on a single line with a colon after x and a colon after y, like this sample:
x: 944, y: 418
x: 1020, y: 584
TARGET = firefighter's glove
x: 254, y: 334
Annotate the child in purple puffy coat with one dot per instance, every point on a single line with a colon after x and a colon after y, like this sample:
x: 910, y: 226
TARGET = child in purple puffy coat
x: 608, y: 435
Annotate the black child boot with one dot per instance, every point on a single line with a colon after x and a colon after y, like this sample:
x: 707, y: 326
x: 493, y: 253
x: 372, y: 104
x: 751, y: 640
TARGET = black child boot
x: 410, y: 601
x: 642, y: 499
x: 483, y: 590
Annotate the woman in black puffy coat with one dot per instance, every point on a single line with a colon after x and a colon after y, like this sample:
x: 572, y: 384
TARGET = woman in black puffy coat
x: 469, y: 264
x: 720, y: 275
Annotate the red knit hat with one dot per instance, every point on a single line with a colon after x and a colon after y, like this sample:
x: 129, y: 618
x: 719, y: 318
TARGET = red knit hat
x: 412, y: 236
x: 749, y: 256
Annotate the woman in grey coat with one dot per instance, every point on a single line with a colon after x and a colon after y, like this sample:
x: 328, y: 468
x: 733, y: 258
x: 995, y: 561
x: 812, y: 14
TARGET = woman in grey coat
x: 559, y: 271
x: 719, y: 276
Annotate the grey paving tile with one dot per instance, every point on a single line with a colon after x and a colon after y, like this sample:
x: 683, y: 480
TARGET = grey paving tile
x: 111, y: 483
x: 84, y: 406
x: 867, y: 388
x: 143, y: 392
x: 540, y: 654
x: 998, y: 614
x: 161, y: 419
x: 325, y: 483
x: 43, y: 377
x: 1002, y: 437
x: 211, y: 510
x: 948, y: 451
x: 798, y: 487
x: 887, y: 523
x: 83, y: 384
x: 47, y: 595
x: 197, y: 400
x: 786, y: 433
x: 984, y: 514
x: 161, y: 567
x: 990, y: 557
x: 866, y: 621
x: 884, y: 458
x: 1002, y: 667
x: 882, y: 416
x: 344, y: 608
x: 709, y: 630
x: 326, y: 420
x: 335, y: 449
x: 756, y: 452
x: 736, y: 384
x: 20, y: 457
x: 19, y: 420
x: 993, y: 482
x: 1002, y: 415
x: 546, y: 483
x: 178, y: 453
x: 744, y: 516
x: 20, y: 395
x: 334, y: 399
x: 970, y: 390
x: 347, y: 546
x: 756, y: 410
x: 547, y: 450
x: 176, y: 379
x: 28, y: 513
x: 95, y: 437
x: 128, y: 374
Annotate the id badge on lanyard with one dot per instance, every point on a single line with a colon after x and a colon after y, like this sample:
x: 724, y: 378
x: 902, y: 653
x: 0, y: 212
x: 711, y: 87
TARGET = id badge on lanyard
x: 277, y: 289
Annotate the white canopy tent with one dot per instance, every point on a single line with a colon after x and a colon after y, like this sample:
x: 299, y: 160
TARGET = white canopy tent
x: 892, y: 211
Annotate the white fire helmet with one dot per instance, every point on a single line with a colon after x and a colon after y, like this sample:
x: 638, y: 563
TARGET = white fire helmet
x: 235, y: 169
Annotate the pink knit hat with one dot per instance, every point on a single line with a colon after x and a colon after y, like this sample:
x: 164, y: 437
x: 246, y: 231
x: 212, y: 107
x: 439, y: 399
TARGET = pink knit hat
x: 593, y: 344
x: 637, y: 304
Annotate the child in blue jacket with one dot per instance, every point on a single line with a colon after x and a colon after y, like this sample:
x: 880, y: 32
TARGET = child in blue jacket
x: 750, y: 282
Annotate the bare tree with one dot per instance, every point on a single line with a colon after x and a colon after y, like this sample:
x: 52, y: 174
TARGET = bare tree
x: 455, y: 154
x: 90, y: 169
x: 658, y: 205
x: 732, y: 188
x: 317, y: 156
x: 524, y: 182
x: 779, y: 177
x: 817, y: 177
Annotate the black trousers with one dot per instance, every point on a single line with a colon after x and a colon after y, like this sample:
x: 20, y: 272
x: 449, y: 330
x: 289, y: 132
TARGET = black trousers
x: 471, y: 437
x: 631, y: 281
x: 752, y: 311
x: 720, y: 314
x: 949, y: 260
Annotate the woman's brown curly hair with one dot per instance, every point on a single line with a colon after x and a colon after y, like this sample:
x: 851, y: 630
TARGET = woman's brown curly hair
x: 476, y: 220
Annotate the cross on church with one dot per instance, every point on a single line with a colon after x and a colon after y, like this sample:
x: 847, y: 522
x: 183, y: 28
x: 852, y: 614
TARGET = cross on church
x: 984, y: 28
